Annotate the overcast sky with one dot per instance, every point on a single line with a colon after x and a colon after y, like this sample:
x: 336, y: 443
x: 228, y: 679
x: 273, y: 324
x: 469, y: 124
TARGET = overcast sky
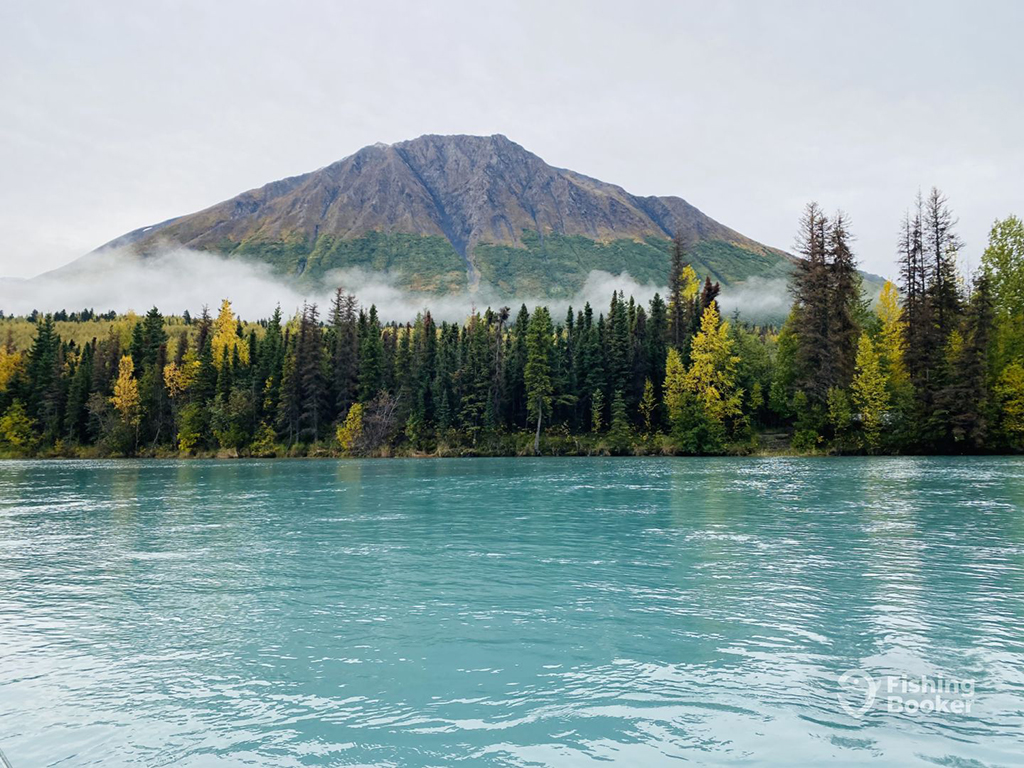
x: 116, y: 115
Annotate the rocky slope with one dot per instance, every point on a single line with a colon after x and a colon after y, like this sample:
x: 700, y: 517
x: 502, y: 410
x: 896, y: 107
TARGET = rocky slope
x: 445, y: 213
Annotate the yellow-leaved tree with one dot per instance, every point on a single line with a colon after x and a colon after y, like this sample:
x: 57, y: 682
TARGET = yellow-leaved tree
x: 1009, y: 391
x: 691, y: 283
x: 10, y: 361
x: 178, y: 378
x: 17, y: 430
x: 891, y: 345
x: 225, y: 337
x: 126, y: 393
x: 870, y: 395
x: 349, y: 433
x: 711, y: 377
x: 674, y: 394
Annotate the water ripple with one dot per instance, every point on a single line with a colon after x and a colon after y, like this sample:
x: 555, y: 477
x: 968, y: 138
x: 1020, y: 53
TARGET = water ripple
x: 515, y: 612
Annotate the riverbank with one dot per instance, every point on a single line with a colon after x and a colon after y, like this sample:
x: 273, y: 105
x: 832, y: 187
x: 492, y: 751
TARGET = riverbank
x: 507, y: 445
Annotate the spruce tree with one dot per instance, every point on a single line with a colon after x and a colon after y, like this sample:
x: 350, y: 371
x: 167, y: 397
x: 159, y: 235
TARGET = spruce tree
x: 812, y: 293
x: 942, y: 245
x: 537, y: 373
x: 968, y: 396
x: 516, y: 386
x: 309, y: 374
x: 371, y: 356
x: 845, y: 302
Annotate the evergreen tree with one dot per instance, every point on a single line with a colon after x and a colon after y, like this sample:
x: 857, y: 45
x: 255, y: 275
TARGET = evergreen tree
x: 474, y: 378
x: 657, y: 350
x: 942, y: 245
x: 76, y: 416
x: 309, y: 375
x: 269, y: 368
x: 537, y: 372
x: 344, y: 379
x: 619, y: 433
x: 968, y: 396
x: 289, y: 405
x: 516, y: 382
x: 618, y: 350
x: 371, y: 356
x: 844, y: 300
x: 647, y: 405
x: 597, y: 411
x: 812, y: 294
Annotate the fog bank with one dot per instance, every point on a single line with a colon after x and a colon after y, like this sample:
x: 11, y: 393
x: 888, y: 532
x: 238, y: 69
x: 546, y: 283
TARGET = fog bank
x: 181, y: 279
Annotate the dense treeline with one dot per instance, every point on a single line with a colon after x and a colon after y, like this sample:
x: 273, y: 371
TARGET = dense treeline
x: 937, y: 365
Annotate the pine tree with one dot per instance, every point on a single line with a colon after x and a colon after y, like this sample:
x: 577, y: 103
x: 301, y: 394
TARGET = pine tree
x: 844, y: 300
x: 619, y: 433
x: 677, y: 286
x: 474, y: 376
x: 942, y: 245
x: 516, y: 385
x: 496, y: 327
x: 537, y: 373
x: 968, y: 396
x: 152, y: 338
x: 591, y: 374
x: 289, y: 404
x: 840, y: 417
x: 344, y: 352
x: 42, y: 381
x: 309, y: 375
x: 267, y: 376
x: 811, y: 287
x: 597, y: 411
x: 657, y: 350
x: 75, y: 419
x: 618, y: 348
x: 647, y: 405
x: 447, y: 363
x: 371, y: 356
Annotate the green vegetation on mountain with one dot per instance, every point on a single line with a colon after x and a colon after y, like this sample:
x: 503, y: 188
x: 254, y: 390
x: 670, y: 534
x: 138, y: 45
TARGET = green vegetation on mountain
x: 416, y: 262
x: 558, y: 265
x: 444, y: 213
x: 553, y: 266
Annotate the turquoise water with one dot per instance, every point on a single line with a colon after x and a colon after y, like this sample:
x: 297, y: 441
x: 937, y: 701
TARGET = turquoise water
x: 506, y: 611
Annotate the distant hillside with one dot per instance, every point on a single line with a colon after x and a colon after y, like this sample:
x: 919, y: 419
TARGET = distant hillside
x: 446, y: 213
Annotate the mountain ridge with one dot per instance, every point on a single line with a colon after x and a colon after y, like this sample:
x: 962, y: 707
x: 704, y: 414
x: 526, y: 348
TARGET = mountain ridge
x: 448, y: 212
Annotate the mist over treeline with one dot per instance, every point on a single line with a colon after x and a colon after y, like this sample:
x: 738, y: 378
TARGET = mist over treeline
x: 180, y: 279
x: 936, y: 365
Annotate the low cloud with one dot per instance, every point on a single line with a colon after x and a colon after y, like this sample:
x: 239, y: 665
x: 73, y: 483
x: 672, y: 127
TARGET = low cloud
x: 180, y: 279
x: 758, y: 299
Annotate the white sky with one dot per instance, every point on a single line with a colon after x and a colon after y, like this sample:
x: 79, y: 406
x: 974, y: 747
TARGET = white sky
x: 115, y: 115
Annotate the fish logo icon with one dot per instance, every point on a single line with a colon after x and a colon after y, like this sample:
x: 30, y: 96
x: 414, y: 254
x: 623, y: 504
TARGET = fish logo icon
x: 857, y: 692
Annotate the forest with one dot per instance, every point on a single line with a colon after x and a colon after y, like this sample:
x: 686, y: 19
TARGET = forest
x: 933, y: 365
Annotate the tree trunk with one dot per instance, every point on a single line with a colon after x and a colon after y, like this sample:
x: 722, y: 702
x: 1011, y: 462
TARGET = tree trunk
x: 536, y: 440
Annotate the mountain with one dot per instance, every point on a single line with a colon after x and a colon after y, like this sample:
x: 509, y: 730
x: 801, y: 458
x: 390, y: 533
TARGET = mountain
x: 446, y: 213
